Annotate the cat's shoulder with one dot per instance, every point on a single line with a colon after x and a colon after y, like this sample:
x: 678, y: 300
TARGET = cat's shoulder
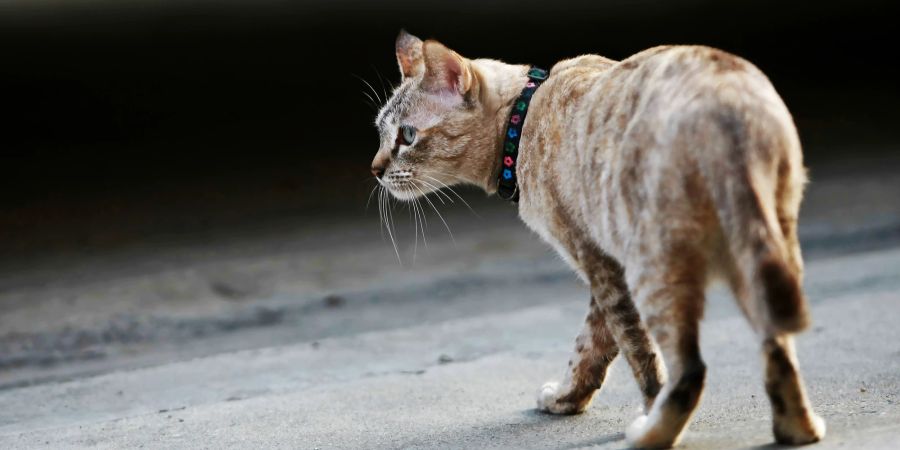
x: 583, y: 62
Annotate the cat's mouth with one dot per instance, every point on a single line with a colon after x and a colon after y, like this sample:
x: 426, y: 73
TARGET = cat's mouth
x: 404, y: 185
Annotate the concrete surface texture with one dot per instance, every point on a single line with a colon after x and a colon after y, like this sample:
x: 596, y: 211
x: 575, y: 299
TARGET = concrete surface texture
x: 309, y: 334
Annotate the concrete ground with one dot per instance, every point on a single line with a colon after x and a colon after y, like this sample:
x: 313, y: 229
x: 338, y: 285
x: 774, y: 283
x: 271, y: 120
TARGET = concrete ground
x: 309, y: 334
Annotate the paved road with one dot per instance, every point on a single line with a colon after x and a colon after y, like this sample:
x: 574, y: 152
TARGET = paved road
x: 310, y: 336
x: 470, y: 382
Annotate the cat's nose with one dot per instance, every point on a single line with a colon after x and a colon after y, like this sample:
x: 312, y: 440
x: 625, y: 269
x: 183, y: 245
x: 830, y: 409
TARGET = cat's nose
x: 379, y: 164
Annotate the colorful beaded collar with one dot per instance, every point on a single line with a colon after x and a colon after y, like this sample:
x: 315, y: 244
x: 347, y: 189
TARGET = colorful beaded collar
x: 507, y: 188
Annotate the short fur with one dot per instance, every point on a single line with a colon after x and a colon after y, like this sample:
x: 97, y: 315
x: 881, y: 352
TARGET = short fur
x: 651, y: 177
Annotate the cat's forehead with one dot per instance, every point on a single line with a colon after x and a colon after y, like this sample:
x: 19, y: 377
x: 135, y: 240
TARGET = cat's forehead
x: 397, y: 106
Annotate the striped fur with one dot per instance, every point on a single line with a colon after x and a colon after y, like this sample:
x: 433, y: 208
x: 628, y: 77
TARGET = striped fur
x: 651, y: 177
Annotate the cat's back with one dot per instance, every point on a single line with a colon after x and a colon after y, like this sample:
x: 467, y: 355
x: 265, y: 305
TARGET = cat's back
x: 591, y: 107
x: 614, y: 135
x: 597, y: 100
x: 668, y: 84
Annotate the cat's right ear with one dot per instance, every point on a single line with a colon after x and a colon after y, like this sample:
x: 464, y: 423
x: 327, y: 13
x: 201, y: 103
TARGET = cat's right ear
x: 409, y: 55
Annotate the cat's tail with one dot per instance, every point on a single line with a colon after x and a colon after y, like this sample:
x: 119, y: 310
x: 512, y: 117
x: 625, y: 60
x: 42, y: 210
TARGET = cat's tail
x: 768, y: 281
x: 757, y: 199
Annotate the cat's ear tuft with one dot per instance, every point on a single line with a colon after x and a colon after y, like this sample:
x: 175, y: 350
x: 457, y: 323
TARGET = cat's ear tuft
x: 409, y: 55
x: 445, y: 70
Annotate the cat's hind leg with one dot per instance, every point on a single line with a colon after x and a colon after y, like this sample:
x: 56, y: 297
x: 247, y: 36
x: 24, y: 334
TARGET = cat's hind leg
x: 794, y: 422
x: 767, y: 281
x: 595, y: 349
x: 670, y: 297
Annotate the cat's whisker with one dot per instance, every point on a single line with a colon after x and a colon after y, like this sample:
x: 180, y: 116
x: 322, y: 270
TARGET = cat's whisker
x: 454, y: 193
x: 425, y: 196
x: 380, y: 101
x: 437, y: 191
x: 388, y: 221
x: 421, y: 212
x: 369, y: 200
x: 428, y: 185
x: 440, y: 193
x: 456, y: 177
x: 443, y: 185
x: 416, y: 200
x: 380, y: 81
x: 370, y: 103
x: 379, y: 205
x: 415, y: 216
x: 381, y: 209
x: 380, y: 212
x: 390, y: 227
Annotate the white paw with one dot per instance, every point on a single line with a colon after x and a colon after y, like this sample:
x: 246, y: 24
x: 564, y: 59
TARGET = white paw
x: 546, y: 398
x: 645, y: 433
x: 636, y: 430
x: 548, y: 401
x: 800, y: 432
x: 818, y: 425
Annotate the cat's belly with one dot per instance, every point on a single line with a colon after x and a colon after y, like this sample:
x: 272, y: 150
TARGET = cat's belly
x: 553, y: 236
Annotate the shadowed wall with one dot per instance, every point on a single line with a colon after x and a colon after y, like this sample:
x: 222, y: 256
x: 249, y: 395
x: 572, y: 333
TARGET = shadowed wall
x: 161, y: 117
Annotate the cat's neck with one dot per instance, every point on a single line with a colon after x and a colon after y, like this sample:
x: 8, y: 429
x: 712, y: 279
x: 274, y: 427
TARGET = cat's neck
x: 500, y: 86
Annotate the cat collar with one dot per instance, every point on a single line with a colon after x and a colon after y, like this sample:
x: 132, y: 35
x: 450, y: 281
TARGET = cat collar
x: 507, y: 187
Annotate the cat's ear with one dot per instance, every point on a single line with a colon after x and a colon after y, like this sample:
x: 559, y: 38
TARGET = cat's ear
x: 445, y: 70
x: 409, y: 55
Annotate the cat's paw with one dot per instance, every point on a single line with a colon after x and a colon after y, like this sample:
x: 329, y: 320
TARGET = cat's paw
x: 548, y: 400
x: 642, y: 434
x: 799, y: 430
x: 636, y: 431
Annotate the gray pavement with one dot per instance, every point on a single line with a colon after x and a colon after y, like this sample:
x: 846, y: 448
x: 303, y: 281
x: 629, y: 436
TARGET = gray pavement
x: 471, y: 382
x: 310, y: 335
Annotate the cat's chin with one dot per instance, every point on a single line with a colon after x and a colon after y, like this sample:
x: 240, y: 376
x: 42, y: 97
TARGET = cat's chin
x: 404, y: 194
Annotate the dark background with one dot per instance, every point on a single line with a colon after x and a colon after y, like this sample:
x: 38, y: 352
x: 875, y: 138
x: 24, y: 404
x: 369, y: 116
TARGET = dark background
x: 164, y: 117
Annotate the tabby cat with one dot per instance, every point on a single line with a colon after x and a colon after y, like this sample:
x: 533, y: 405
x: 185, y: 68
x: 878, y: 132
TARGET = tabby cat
x: 651, y: 177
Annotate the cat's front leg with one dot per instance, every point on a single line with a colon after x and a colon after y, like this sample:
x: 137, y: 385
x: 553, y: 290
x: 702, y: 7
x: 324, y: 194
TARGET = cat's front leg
x: 612, y: 324
x: 595, y: 349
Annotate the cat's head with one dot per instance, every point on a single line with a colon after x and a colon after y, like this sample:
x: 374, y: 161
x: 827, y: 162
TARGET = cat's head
x: 438, y: 128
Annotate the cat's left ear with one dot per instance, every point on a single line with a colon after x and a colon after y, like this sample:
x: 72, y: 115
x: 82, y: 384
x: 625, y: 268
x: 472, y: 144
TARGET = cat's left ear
x: 445, y: 70
x: 409, y: 55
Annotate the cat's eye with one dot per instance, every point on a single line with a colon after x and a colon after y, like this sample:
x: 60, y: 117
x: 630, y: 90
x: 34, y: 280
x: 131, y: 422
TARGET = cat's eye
x: 406, y: 135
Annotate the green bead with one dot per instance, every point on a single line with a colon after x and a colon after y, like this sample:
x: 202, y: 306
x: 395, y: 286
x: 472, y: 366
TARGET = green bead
x: 537, y: 73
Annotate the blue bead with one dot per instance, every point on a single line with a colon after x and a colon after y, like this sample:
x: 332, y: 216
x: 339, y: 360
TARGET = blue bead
x: 507, y: 174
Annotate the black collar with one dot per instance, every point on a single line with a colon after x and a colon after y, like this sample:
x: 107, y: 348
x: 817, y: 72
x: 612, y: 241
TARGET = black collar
x: 507, y: 188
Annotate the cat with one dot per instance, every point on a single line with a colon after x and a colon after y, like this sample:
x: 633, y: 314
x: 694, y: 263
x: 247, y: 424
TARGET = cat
x: 651, y: 177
